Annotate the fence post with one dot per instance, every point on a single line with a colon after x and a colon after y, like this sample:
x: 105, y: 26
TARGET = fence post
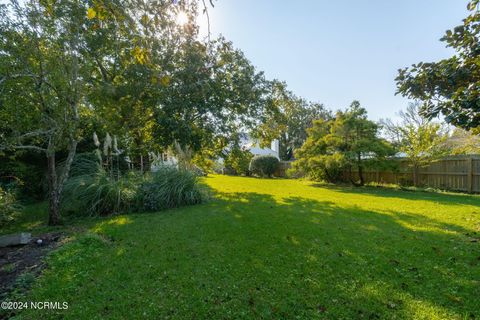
x: 470, y: 174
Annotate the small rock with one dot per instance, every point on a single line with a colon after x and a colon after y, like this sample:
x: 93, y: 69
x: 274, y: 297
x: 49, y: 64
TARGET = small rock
x: 15, y: 239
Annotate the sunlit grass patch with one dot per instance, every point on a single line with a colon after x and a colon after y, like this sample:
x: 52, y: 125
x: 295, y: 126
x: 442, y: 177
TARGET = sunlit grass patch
x: 274, y: 248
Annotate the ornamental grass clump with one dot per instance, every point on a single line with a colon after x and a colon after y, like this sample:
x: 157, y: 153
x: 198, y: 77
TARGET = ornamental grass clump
x: 96, y: 190
x: 170, y: 188
x: 92, y: 190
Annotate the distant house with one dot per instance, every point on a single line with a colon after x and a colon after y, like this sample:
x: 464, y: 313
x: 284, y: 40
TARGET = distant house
x: 253, y: 145
x: 246, y: 143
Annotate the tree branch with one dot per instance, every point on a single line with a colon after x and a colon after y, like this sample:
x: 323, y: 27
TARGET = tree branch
x: 205, y: 10
x: 35, y: 133
x: 24, y: 147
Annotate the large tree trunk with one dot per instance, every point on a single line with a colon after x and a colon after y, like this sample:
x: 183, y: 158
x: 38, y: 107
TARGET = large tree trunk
x: 350, y: 175
x: 55, y: 183
x: 283, y: 148
x: 67, y: 166
x: 415, y: 175
x: 360, y: 174
x: 54, y: 199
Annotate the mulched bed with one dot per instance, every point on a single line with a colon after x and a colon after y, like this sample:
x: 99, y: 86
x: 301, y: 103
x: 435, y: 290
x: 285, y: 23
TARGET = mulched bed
x: 17, y: 260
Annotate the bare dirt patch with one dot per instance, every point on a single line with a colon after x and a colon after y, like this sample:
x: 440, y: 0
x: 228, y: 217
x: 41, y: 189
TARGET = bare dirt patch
x: 17, y: 260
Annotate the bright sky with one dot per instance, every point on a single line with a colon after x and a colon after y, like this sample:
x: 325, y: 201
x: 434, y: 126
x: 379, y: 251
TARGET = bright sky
x: 336, y: 51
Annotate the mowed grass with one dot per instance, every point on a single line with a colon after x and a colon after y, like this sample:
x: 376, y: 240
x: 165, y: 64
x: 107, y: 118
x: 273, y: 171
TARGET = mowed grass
x: 275, y: 249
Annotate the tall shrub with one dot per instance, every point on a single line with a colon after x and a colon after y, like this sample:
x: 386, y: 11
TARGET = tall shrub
x: 264, y: 166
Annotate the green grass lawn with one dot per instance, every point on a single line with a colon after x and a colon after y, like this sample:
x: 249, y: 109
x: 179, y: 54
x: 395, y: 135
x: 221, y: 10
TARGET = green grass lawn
x: 275, y: 249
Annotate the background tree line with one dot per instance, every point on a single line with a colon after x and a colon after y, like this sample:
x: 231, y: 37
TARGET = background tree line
x: 125, y: 70
x: 448, y: 89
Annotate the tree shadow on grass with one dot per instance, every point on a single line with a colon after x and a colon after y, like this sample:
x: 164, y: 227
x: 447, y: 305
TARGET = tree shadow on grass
x: 443, y: 198
x: 250, y: 255
x: 374, y: 263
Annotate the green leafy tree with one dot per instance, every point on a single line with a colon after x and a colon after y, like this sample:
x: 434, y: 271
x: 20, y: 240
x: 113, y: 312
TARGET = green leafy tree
x: 238, y: 159
x: 287, y: 118
x: 64, y: 60
x: 463, y: 142
x: 450, y: 87
x: 348, y: 142
x: 419, y: 139
x: 167, y: 87
x: 43, y: 67
x: 140, y: 53
x: 213, y: 89
x: 316, y: 159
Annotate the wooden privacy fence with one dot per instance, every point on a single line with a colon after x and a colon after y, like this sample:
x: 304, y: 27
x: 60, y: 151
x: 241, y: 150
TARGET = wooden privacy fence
x: 456, y: 173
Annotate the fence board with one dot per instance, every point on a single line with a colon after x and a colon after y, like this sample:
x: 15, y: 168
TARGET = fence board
x: 459, y: 173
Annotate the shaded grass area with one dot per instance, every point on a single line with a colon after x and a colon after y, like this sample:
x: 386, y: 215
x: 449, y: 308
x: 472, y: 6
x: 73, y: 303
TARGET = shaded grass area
x: 32, y: 218
x: 275, y: 249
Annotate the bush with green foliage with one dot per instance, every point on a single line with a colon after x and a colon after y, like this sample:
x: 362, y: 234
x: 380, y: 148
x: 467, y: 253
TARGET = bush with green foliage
x: 347, y: 143
x: 8, y: 206
x: 239, y: 159
x: 264, y: 166
x: 329, y: 168
x: 26, y: 173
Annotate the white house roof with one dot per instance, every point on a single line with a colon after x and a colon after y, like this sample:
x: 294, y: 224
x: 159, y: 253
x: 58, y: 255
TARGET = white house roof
x: 254, y: 147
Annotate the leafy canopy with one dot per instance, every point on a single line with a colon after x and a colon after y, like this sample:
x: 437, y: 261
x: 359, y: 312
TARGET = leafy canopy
x: 419, y: 139
x: 349, y: 141
x: 287, y: 118
x: 450, y: 87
